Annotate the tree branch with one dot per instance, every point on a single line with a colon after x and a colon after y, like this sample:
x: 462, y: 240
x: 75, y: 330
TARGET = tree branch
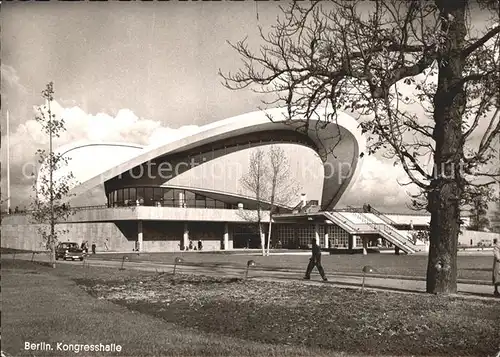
x: 480, y: 42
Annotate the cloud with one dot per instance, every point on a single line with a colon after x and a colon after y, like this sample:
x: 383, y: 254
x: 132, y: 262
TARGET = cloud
x: 29, y: 136
x: 378, y: 185
x: 10, y: 79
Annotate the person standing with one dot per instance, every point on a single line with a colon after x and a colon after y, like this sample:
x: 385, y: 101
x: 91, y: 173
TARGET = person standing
x: 315, y: 261
x: 496, y: 267
x: 93, y: 248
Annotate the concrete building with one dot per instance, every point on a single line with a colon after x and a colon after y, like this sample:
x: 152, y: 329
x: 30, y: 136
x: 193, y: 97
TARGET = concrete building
x: 150, y: 207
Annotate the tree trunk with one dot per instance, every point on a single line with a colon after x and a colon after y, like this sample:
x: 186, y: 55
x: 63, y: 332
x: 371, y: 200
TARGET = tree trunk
x: 269, y: 233
x: 53, y: 254
x: 262, y: 240
x: 447, y: 184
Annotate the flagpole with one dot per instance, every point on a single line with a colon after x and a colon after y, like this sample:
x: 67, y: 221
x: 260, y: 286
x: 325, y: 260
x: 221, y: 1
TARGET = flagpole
x: 8, y: 164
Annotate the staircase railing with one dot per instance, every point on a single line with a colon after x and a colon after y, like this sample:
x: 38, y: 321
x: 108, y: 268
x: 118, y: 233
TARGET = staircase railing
x: 403, y: 240
x: 382, y: 216
x: 389, y: 229
x: 344, y: 222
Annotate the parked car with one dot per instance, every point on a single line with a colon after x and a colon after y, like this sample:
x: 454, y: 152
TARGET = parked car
x: 69, y: 250
x: 485, y: 243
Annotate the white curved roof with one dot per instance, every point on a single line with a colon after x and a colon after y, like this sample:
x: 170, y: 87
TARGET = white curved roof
x: 94, y: 163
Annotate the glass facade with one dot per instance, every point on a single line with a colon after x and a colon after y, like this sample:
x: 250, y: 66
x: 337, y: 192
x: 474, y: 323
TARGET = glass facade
x: 337, y: 237
x: 162, y: 197
x: 299, y: 235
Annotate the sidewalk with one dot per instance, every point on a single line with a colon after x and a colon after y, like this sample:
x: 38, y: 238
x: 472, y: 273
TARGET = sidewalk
x: 472, y: 289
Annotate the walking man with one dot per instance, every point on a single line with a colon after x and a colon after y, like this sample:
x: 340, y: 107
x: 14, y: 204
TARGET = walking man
x: 315, y: 261
x: 496, y: 266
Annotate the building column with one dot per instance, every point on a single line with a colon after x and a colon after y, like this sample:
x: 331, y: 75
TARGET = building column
x: 185, y: 236
x: 327, y: 243
x: 139, y: 236
x: 316, y: 233
x: 365, y: 245
x: 181, y: 199
x: 353, y: 241
x: 231, y: 238
x: 226, y: 236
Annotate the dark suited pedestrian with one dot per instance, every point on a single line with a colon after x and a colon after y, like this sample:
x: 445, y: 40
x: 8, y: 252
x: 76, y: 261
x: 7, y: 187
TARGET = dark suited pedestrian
x: 315, y: 261
x: 496, y: 267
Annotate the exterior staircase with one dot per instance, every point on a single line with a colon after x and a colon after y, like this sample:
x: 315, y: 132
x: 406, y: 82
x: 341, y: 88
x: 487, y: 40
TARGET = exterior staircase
x: 388, y: 232
x: 367, y: 226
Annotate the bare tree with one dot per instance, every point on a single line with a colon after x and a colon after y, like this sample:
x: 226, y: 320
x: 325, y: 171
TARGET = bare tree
x: 420, y: 76
x: 255, y: 181
x: 283, y: 188
x: 49, y: 206
x: 270, y: 181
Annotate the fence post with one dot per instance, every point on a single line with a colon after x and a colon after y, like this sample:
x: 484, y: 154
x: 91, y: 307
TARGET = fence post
x: 250, y: 263
x: 123, y: 262
x: 366, y: 269
x: 177, y: 261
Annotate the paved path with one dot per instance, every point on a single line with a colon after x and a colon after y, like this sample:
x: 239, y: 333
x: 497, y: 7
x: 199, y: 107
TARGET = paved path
x: 475, y: 289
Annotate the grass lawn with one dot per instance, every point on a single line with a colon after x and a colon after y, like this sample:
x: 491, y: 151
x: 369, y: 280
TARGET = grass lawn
x: 157, y: 314
x: 470, y: 267
x: 41, y: 304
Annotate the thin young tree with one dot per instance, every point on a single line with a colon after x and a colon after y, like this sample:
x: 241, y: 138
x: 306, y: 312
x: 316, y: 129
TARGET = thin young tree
x: 283, y: 188
x: 49, y: 204
x: 422, y: 78
x: 256, y: 182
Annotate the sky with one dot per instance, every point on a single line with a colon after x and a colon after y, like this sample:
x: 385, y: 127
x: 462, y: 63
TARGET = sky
x: 143, y: 73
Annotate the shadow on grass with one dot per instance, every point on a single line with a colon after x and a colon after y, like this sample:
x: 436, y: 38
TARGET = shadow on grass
x: 315, y: 315
x: 19, y: 264
x: 37, y: 310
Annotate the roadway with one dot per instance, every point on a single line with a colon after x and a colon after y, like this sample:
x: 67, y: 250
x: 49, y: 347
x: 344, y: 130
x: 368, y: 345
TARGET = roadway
x: 404, y: 284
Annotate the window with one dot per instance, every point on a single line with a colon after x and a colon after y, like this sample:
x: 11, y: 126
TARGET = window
x: 157, y: 194
x: 119, y: 199
x: 359, y: 241
x: 140, y: 195
x: 168, y: 198
x: 337, y: 237
x: 175, y: 197
x: 153, y: 196
x: 189, y: 198
x: 132, y: 195
x: 199, y: 201
x: 305, y: 233
x: 148, y: 196
x: 219, y: 204
x: 210, y: 203
x: 286, y: 234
